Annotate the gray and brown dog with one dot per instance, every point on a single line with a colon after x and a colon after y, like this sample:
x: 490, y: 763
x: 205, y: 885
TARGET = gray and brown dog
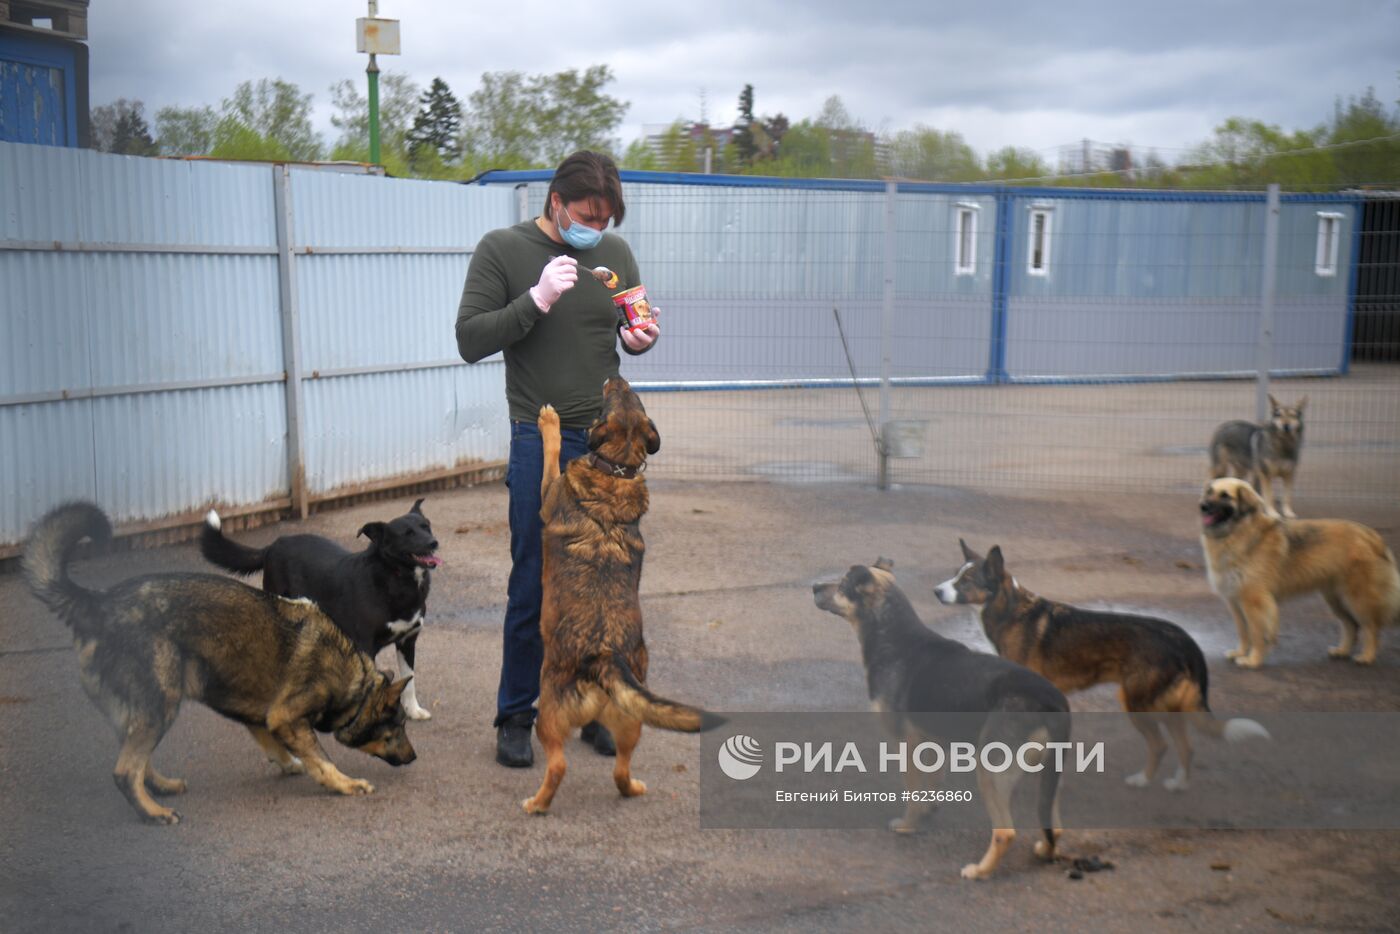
x: 914, y: 675
x: 280, y: 667
x: 1264, y: 453
x: 595, y: 659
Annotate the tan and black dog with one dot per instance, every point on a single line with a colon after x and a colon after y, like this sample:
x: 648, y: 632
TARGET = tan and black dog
x: 912, y: 672
x: 595, y: 660
x: 1158, y: 667
x: 1254, y: 559
x: 1264, y: 453
x: 280, y: 667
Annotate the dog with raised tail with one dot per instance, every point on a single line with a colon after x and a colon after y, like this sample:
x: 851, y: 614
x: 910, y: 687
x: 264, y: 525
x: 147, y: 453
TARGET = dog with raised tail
x: 280, y: 667
x: 378, y: 596
x: 1159, y: 669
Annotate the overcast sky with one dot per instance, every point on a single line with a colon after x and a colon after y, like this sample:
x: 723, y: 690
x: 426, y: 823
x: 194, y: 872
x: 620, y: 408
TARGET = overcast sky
x: 1156, y: 75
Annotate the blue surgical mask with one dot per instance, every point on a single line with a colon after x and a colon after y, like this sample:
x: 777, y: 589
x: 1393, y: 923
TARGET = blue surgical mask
x: 579, y: 236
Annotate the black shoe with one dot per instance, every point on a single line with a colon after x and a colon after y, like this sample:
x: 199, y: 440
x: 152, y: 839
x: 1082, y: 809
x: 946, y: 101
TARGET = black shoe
x: 598, y: 736
x: 513, y: 748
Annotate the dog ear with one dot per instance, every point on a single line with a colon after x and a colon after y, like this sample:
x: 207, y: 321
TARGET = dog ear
x: 996, y: 565
x: 968, y: 553
x: 417, y: 506
x: 374, y: 531
x: 884, y: 564
x: 1302, y: 403
x: 653, y: 437
x: 596, y: 434
x: 1273, y: 403
x: 395, y: 691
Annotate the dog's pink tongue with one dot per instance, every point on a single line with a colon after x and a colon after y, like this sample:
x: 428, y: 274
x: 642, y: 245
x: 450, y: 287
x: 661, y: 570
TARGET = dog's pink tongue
x: 430, y: 561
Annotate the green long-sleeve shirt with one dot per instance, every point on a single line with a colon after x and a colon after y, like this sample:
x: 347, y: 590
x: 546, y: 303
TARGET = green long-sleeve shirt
x: 562, y: 357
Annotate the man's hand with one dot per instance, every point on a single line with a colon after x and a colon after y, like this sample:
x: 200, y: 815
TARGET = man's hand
x: 640, y: 340
x: 558, y: 277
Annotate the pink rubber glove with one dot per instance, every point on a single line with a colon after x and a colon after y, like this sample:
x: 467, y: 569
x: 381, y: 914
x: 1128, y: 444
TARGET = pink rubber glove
x: 558, y: 277
x: 640, y: 340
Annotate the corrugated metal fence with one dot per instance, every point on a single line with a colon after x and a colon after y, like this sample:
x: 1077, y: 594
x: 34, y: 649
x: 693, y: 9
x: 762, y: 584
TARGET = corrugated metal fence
x: 152, y: 311
x: 177, y: 334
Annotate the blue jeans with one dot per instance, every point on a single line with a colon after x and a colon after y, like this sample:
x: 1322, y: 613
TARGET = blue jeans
x: 522, y: 650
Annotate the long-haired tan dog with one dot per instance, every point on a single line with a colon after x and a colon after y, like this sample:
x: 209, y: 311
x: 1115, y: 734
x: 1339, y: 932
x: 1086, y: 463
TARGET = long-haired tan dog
x: 1255, y: 558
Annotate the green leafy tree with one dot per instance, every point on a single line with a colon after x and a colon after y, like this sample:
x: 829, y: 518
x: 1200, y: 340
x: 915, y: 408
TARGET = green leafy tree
x: 234, y: 139
x: 438, y: 125
x: 277, y: 111
x: 398, y: 104
x: 1011, y: 162
x: 1246, y: 153
x: 517, y: 120
x: 186, y: 131
x: 639, y: 155
x: 933, y: 155
x: 1371, y: 163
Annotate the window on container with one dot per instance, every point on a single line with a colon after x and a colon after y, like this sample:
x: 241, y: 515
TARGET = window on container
x: 1038, y: 244
x: 965, y: 246
x: 1329, y: 230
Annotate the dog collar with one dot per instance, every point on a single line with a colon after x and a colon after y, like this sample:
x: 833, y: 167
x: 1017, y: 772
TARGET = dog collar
x: 598, y: 462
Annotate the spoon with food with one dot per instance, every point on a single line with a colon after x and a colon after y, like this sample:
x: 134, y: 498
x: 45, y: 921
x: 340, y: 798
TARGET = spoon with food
x: 602, y: 273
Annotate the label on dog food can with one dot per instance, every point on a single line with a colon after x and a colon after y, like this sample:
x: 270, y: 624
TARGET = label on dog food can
x: 633, y: 309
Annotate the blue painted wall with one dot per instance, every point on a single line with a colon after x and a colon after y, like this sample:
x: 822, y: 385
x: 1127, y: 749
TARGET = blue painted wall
x: 41, y: 88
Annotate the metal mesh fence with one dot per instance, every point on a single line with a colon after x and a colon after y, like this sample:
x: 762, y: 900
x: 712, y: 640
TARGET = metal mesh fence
x: 1010, y: 338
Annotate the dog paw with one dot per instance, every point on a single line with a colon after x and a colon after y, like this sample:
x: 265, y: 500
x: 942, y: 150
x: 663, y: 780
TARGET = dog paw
x: 548, y: 417
x: 1337, y: 651
x: 1364, y: 659
x: 532, y: 808
x: 1248, y: 661
x: 973, y: 871
x: 901, y: 825
x: 418, y: 713
x: 1176, y: 784
x: 1137, y: 780
x: 357, y: 786
x: 163, y: 817
x: 1044, y: 851
x: 634, y: 789
x: 1236, y: 653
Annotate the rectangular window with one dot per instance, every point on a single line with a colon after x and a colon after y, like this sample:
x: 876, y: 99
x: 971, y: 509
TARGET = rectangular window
x: 965, y: 246
x: 1038, y: 245
x: 1329, y: 230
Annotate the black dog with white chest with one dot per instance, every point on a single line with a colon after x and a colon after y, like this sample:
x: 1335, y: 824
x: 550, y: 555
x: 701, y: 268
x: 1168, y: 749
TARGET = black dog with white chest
x: 378, y: 596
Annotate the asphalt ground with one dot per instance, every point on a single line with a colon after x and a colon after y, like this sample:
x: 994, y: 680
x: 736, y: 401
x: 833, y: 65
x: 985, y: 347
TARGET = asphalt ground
x: 443, y: 844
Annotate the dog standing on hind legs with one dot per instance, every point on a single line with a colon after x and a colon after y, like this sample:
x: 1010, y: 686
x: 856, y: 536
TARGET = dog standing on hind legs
x: 595, y: 660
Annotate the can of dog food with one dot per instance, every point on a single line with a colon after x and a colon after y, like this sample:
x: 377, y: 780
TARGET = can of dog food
x: 633, y: 309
